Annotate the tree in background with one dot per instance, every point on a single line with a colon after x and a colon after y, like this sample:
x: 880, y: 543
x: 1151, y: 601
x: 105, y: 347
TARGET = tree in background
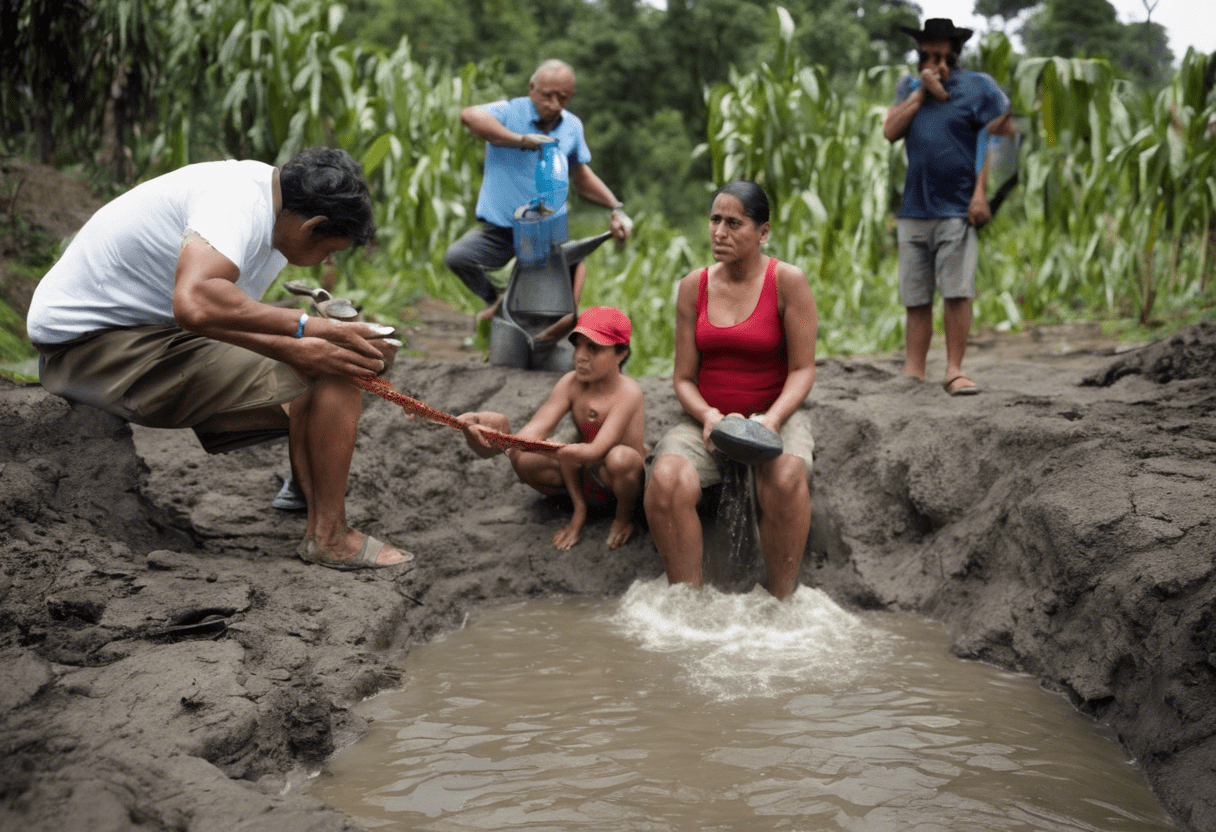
x: 74, y: 72
x: 1090, y: 29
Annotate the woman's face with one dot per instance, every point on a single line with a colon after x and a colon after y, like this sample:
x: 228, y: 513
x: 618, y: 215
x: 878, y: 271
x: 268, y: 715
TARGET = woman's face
x: 732, y: 233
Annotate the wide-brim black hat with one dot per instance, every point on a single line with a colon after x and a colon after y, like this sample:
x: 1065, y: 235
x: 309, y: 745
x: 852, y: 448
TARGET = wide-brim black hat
x: 938, y: 28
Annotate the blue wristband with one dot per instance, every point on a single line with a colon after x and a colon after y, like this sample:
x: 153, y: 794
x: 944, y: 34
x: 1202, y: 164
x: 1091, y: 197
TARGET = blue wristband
x: 300, y: 328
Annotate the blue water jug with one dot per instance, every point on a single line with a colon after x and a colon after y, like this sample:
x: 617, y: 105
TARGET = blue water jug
x: 552, y: 177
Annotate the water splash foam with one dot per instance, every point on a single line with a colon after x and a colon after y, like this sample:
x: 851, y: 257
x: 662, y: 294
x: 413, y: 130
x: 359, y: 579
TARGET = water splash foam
x: 733, y: 646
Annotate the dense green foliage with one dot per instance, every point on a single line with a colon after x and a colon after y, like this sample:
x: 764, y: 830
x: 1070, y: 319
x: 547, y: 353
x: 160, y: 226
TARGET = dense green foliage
x: 1114, y: 218
x: 1089, y: 29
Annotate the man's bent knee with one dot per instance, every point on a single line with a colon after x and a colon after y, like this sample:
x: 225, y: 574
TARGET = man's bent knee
x: 257, y: 419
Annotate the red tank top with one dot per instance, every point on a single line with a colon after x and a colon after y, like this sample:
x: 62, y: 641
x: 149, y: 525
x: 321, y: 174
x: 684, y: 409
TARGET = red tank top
x: 743, y: 367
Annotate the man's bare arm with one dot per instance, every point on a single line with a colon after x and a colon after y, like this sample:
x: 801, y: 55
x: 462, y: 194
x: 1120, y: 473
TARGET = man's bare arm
x: 483, y: 125
x: 206, y: 300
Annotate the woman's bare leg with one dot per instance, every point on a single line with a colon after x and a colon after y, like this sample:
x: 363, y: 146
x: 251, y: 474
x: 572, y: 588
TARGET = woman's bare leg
x: 671, y: 501
x: 785, y: 520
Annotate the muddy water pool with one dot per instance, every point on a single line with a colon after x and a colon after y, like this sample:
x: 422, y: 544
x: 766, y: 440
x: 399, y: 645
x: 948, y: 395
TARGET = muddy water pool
x: 676, y: 709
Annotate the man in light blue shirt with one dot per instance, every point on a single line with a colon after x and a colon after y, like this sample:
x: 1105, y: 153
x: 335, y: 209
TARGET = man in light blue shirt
x: 514, y: 131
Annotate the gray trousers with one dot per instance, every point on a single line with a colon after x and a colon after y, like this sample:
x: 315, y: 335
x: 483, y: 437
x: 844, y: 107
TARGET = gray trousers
x: 477, y: 252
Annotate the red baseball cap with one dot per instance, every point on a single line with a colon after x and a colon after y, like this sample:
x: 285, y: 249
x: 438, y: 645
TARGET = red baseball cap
x: 605, y: 325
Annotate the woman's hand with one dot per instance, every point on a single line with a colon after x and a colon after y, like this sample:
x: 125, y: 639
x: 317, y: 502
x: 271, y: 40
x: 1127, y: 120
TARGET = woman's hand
x: 712, y: 417
x: 769, y: 422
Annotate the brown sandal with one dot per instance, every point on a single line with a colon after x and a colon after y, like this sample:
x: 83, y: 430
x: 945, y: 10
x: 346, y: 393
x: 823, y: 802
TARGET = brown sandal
x: 970, y: 390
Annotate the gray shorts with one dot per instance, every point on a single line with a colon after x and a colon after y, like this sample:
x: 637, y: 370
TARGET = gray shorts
x: 685, y: 440
x: 936, y: 253
x: 163, y: 376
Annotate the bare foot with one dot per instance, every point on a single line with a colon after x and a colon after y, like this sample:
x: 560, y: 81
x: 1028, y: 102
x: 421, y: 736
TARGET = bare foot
x: 567, y: 535
x: 620, y: 532
x: 491, y: 310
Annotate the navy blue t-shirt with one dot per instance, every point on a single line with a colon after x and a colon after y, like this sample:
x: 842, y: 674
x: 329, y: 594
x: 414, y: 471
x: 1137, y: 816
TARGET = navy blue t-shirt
x: 941, y: 144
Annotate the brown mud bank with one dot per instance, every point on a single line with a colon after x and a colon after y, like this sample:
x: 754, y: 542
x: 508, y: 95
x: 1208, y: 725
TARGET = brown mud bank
x: 166, y: 663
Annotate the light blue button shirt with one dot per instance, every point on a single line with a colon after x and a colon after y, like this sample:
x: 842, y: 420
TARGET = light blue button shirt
x: 510, y: 173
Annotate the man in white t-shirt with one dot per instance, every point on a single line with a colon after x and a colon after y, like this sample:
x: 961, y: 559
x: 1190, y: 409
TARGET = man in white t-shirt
x: 153, y: 313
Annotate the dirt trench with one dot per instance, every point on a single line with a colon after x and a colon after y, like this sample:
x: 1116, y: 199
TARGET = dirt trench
x: 166, y: 663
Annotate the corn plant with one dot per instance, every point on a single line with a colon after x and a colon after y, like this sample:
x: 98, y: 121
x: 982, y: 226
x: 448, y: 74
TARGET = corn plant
x: 1120, y: 187
x: 831, y: 177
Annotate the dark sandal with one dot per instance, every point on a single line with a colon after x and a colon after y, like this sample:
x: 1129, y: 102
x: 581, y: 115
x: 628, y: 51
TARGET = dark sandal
x: 947, y: 385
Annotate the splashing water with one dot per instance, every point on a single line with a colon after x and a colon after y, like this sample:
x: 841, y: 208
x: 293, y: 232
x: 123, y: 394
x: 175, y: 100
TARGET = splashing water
x: 673, y: 708
x: 733, y: 646
x: 737, y: 510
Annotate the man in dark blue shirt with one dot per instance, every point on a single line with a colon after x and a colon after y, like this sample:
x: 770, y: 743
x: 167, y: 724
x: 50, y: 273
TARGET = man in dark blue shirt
x: 941, y: 114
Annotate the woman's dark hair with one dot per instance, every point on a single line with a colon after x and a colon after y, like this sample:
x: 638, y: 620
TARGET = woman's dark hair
x: 327, y: 182
x: 753, y: 197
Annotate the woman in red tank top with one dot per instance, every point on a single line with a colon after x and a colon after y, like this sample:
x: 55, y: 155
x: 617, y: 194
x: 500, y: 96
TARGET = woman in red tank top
x: 745, y: 343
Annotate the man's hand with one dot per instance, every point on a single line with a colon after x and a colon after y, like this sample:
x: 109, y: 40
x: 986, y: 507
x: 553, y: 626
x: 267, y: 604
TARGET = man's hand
x: 933, y: 84
x: 621, y: 225
x: 343, y: 348
x: 978, y: 212
x: 533, y: 141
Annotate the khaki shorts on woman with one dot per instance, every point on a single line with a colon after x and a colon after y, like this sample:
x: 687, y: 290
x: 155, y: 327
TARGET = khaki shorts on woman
x: 685, y: 439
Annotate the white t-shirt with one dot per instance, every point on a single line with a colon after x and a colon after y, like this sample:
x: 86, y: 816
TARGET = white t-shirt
x: 119, y: 270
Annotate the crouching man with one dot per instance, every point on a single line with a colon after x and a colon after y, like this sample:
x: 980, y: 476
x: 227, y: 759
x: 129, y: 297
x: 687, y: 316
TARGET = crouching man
x: 153, y: 313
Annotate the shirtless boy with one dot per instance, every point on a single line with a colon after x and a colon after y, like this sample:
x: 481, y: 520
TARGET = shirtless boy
x: 608, y: 411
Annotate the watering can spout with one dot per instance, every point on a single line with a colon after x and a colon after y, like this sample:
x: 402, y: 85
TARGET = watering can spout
x: 575, y: 251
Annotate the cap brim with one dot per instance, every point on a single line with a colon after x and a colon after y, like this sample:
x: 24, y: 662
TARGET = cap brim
x: 594, y: 336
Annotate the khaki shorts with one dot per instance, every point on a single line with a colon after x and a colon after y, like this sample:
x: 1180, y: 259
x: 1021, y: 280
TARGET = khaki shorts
x: 163, y: 376
x: 937, y: 254
x: 685, y: 440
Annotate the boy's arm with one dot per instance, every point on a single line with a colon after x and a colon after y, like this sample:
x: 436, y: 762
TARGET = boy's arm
x: 545, y: 420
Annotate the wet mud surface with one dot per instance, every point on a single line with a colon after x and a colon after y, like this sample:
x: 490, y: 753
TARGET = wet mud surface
x: 167, y: 663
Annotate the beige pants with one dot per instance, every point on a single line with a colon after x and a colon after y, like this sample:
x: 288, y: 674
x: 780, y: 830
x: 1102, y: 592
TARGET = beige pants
x: 163, y: 376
